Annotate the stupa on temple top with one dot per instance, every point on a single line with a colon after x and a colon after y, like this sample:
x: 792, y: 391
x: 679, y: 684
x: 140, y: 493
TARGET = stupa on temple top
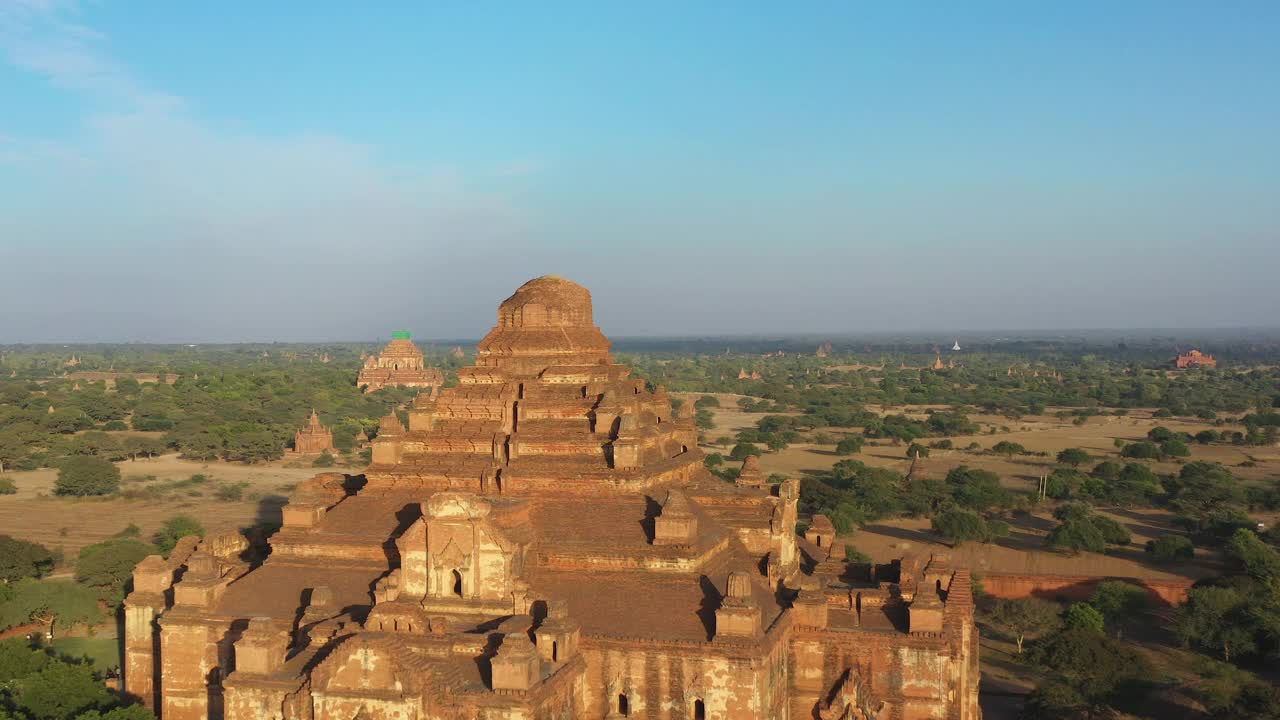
x: 542, y: 541
x: 400, y: 363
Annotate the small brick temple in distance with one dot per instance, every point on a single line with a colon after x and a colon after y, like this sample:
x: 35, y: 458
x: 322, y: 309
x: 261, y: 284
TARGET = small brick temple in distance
x: 542, y: 542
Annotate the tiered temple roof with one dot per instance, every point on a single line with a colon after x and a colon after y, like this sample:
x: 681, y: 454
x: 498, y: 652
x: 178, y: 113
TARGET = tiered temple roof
x: 541, y: 541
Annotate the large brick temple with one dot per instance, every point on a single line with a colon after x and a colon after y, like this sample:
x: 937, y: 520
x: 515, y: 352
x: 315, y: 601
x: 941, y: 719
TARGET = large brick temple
x: 400, y: 363
x: 542, y: 542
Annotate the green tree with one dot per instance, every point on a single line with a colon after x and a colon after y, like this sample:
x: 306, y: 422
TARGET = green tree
x: 21, y: 559
x: 1174, y: 448
x: 1107, y: 470
x: 1119, y: 602
x: 1079, y: 529
x: 977, y: 489
x: 1025, y: 618
x: 1008, y: 448
x: 1200, y: 489
x: 1215, y: 619
x: 1063, y: 483
x: 141, y: 446
x: 86, y: 475
x: 1075, y: 457
x: 201, y: 445
x: 174, y: 529
x: 1141, y: 451
x: 1055, y: 700
x: 61, y: 691
x: 50, y: 602
x: 18, y: 660
x: 13, y: 447
x: 253, y: 446
x: 1089, y: 670
x: 850, y: 445
x: 1249, y: 554
x: 1171, y: 548
x: 1083, y: 616
x: 742, y: 450
x: 108, y: 565
x: 957, y: 526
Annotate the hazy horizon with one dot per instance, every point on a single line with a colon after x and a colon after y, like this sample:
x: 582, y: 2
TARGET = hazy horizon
x: 184, y: 173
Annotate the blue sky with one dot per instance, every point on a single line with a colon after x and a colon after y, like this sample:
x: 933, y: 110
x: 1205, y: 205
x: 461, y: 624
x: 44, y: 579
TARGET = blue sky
x: 310, y: 171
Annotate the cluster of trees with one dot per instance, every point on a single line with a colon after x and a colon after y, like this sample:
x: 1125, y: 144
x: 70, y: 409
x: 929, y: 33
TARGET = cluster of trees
x: 39, y: 684
x: 852, y: 493
x: 1090, y: 672
x: 102, y: 573
x: 231, y: 403
x: 1079, y: 528
x: 1237, y: 616
x: 1012, y: 379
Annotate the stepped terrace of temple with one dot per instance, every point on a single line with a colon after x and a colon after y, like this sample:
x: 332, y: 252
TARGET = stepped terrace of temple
x: 543, y: 542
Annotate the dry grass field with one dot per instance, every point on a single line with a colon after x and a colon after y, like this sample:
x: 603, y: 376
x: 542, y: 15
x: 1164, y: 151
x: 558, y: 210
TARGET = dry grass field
x: 1022, y: 551
x: 35, y: 514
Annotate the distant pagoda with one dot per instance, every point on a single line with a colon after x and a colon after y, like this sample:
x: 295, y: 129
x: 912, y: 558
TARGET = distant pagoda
x: 314, y: 439
x: 1194, y: 359
x: 400, y: 363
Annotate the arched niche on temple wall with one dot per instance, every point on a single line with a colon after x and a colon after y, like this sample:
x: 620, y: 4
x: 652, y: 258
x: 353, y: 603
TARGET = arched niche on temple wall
x: 454, y: 552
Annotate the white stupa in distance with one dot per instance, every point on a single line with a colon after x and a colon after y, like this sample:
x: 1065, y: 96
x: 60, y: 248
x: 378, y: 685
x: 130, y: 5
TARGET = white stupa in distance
x: 956, y: 347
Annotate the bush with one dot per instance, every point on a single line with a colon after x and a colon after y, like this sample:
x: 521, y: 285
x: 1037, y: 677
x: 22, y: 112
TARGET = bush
x: 7, y: 487
x: 1171, y: 548
x: 230, y: 492
x: 1204, y: 437
x: 1141, y: 451
x: 325, y: 460
x: 1075, y: 457
x: 87, y: 475
x: 977, y: 489
x: 1107, y: 470
x: 1083, y: 616
x: 1007, y: 448
x: 957, y: 526
x: 174, y: 529
x: 1080, y: 529
x: 1174, y: 448
x: 849, y: 445
x: 1063, y: 483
